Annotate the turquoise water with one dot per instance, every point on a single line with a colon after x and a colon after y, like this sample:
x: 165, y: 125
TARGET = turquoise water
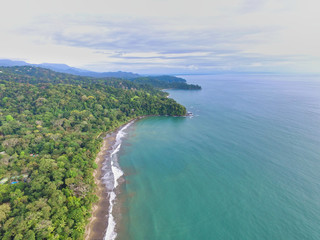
x: 246, y: 166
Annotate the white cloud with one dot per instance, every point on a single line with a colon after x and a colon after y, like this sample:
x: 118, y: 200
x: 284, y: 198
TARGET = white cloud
x: 177, y: 34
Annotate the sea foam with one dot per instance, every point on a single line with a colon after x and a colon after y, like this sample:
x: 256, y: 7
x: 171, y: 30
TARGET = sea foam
x: 111, y: 181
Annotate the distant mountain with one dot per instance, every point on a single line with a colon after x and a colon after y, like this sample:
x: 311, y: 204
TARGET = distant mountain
x: 81, y: 72
x: 63, y: 68
x: 11, y: 63
x: 160, y: 82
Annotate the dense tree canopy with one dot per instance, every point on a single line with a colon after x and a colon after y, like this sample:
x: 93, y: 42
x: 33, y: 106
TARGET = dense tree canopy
x: 29, y: 74
x: 166, y: 82
x: 49, y: 137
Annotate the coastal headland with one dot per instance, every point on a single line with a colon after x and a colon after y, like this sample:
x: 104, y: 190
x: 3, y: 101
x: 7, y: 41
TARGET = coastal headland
x: 50, y: 147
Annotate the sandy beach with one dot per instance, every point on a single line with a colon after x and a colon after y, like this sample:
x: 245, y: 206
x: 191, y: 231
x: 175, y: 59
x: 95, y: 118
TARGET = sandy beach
x: 98, y: 222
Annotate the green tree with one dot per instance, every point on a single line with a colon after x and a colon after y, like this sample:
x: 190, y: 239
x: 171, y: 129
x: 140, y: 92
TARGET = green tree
x: 9, y: 118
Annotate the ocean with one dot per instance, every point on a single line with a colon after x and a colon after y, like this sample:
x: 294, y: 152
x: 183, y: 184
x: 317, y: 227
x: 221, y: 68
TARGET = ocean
x: 245, y: 166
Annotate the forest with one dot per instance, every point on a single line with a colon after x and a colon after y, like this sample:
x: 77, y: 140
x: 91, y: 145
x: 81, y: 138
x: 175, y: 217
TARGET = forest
x: 169, y: 82
x: 29, y: 74
x: 51, y: 129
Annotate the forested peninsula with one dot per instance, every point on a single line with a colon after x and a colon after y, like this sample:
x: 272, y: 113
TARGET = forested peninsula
x: 51, y: 129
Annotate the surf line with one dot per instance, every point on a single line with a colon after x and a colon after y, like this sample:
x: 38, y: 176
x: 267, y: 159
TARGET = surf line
x: 111, y: 182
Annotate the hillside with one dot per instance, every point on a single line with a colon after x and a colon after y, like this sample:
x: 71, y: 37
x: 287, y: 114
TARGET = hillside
x: 63, y: 68
x: 161, y: 81
x: 166, y: 82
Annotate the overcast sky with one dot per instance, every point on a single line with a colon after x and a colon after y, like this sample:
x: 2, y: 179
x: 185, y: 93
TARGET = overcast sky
x: 164, y: 36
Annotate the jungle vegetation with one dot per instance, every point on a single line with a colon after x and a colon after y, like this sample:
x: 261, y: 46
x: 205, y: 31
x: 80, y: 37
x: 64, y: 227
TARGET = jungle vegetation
x: 51, y: 129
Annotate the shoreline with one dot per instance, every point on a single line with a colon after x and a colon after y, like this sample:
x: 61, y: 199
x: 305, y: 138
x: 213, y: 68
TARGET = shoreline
x: 97, y: 226
x: 98, y: 222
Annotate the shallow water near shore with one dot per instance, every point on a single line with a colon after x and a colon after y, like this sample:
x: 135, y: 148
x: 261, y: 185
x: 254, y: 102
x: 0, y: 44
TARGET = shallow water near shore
x: 246, y: 166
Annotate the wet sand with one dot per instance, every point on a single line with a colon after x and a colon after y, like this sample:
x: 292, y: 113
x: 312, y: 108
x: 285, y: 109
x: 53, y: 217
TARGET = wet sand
x: 98, y: 222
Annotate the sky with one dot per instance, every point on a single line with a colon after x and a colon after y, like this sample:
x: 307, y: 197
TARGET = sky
x: 164, y: 36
